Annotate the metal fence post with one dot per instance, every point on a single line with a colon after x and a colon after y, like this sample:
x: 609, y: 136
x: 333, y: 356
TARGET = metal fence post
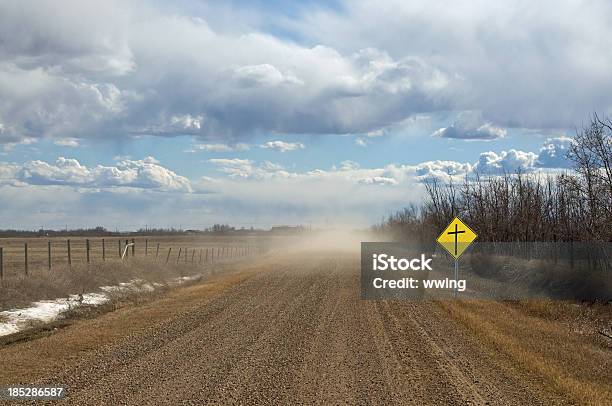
x: 103, y: 250
x: 168, y: 257
x: 69, y: 254
x: 1, y: 263
x: 49, y: 253
x: 87, y: 248
x: 25, y: 250
x: 157, y: 251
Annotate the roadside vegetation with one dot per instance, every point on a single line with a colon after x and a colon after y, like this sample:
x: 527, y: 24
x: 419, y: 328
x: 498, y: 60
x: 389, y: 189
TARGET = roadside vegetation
x: 572, y: 206
x: 550, y: 233
x: 82, y: 279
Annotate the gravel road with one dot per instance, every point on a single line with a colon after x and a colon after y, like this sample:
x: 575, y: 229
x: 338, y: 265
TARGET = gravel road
x: 293, y: 331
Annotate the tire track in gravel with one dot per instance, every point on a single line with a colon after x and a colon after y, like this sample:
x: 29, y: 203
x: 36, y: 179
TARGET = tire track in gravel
x: 202, y: 344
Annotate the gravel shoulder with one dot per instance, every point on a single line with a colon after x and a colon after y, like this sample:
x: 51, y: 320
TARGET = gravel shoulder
x: 292, y: 330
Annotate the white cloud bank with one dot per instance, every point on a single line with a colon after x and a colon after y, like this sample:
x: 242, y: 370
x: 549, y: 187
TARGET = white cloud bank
x: 133, y: 193
x: 143, y: 174
x: 116, y: 68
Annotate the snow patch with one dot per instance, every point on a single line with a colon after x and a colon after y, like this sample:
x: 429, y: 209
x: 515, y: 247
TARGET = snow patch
x: 45, y: 311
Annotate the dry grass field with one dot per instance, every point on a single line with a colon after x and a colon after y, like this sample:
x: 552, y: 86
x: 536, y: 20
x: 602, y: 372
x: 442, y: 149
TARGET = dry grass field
x: 153, y: 259
x: 111, y: 248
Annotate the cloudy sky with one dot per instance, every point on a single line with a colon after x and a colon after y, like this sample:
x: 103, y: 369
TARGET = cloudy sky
x: 134, y: 113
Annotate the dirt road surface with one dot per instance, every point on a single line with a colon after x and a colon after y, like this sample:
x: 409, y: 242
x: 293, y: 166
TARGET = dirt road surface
x: 293, y: 330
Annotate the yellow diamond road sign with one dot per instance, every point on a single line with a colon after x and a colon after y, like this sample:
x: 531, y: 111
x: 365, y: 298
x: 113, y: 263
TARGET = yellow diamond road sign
x: 456, y: 238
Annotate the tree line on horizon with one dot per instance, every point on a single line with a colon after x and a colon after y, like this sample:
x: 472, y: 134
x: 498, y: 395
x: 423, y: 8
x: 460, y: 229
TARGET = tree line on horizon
x: 100, y: 231
x: 571, y: 206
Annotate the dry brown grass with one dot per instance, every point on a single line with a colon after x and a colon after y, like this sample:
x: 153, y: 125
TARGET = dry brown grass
x: 145, y: 248
x: 18, y: 289
x: 18, y: 292
x: 537, y: 337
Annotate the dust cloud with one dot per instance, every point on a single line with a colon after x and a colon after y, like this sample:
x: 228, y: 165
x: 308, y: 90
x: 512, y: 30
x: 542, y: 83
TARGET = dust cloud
x: 345, y: 241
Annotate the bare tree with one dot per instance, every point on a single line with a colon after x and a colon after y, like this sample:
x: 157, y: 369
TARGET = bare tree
x: 573, y: 206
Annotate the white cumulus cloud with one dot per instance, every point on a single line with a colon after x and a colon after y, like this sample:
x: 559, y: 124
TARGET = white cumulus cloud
x: 283, y: 146
x: 145, y: 174
x: 470, y: 125
x: 491, y: 163
x: 554, y: 153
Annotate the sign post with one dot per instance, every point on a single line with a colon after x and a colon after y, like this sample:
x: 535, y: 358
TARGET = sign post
x: 455, y: 239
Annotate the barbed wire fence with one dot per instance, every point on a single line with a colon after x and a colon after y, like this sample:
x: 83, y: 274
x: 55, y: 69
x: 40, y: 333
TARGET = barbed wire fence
x: 23, y: 258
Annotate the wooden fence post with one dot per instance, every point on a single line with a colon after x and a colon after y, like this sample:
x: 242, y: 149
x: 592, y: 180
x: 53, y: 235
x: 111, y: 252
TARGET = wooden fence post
x: 133, y: 248
x: 1, y: 263
x: 119, y: 248
x: 192, y: 255
x: 25, y: 250
x: 146, y: 247
x: 168, y: 257
x: 103, y: 251
x: 127, y: 249
x: 206, y: 260
x: 185, y: 255
x: 87, y: 248
x: 69, y: 254
x: 179, y: 255
x: 49, y: 253
x: 200, y: 262
x: 157, y: 251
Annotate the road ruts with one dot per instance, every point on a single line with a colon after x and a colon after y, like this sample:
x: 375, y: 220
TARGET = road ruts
x: 298, y: 333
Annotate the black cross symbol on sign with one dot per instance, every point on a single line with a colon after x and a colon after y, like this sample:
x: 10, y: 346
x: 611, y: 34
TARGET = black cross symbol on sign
x: 456, y: 233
